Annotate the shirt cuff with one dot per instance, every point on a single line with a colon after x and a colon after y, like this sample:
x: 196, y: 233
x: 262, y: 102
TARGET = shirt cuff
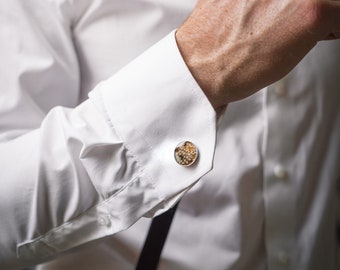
x: 152, y: 104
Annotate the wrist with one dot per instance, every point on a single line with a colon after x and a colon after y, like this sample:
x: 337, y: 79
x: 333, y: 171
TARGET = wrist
x: 204, y: 68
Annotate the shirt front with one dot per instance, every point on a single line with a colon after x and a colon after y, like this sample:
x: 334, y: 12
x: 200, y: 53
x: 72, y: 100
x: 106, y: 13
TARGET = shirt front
x: 271, y: 200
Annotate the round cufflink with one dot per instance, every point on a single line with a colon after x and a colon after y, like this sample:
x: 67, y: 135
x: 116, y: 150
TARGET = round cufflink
x: 186, y: 153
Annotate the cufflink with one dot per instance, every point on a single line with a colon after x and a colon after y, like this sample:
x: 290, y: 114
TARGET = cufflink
x: 186, y: 153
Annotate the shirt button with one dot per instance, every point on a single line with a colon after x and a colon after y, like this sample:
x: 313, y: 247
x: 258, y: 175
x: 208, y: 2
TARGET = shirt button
x: 283, y: 257
x: 280, y: 89
x: 280, y: 172
x: 104, y: 220
x: 186, y: 153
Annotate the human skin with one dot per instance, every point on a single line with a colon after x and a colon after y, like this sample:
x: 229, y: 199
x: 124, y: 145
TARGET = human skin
x: 234, y: 48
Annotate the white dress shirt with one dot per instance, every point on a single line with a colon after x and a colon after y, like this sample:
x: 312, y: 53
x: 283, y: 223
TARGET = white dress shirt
x: 75, y: 170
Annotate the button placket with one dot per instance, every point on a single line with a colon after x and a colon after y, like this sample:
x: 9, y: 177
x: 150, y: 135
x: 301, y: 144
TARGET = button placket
x: 279, y: 193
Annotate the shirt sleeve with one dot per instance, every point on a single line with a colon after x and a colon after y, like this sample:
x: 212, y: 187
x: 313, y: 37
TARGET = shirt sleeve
x: 94, y: 170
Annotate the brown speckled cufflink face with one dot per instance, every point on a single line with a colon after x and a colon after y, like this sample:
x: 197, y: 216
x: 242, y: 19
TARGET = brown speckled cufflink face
x: 186, y: 153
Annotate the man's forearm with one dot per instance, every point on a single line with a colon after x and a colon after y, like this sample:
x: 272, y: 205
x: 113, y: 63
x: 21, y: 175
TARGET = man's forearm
x: 235, y: 48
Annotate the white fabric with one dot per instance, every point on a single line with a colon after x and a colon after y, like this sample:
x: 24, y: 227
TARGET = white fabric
x: 270, y: 202
x: 70, y: 176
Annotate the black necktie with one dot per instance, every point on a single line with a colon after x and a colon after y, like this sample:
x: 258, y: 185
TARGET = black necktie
x: 153, y: 245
